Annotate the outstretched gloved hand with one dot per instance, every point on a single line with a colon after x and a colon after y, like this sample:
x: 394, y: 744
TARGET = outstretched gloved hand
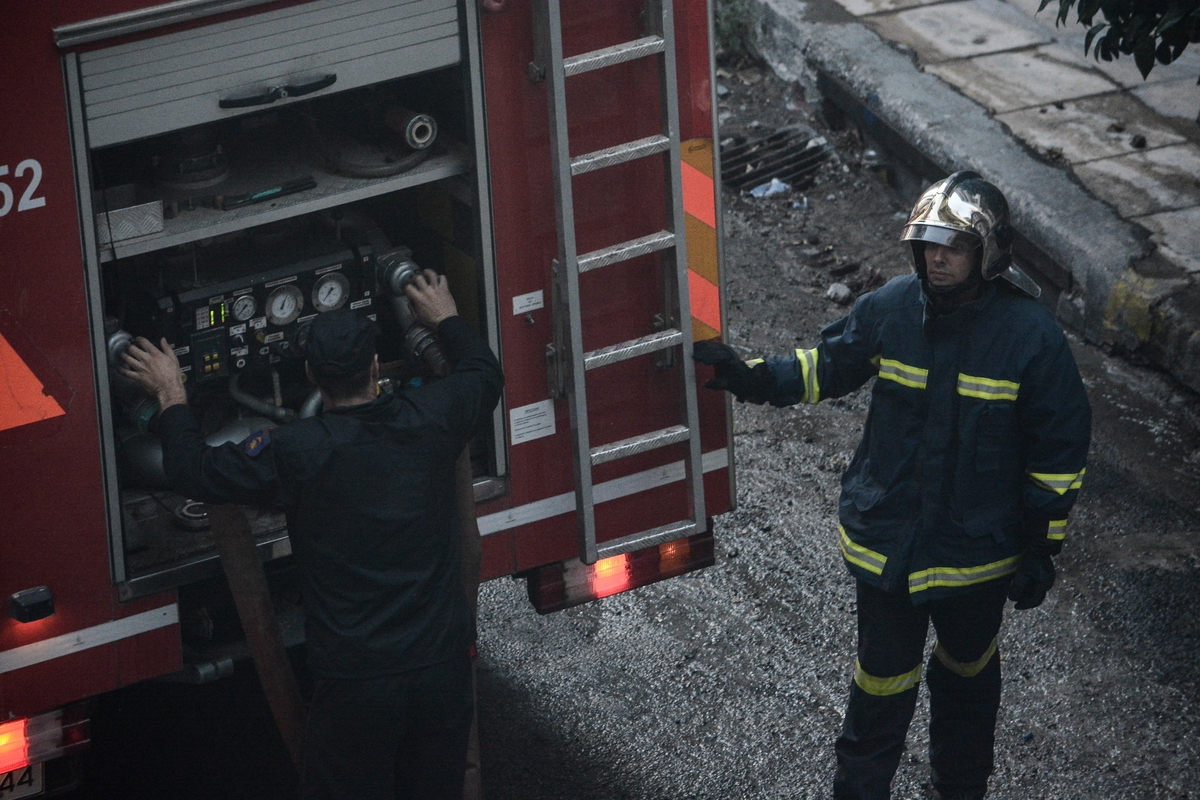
x: 1034, y: 577
x: 734, y: 375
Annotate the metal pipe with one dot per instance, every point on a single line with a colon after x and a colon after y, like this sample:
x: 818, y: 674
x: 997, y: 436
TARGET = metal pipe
x: 396, y: 271
x: 419, y: 130
x: 312, y: 405
x: 257, y: 405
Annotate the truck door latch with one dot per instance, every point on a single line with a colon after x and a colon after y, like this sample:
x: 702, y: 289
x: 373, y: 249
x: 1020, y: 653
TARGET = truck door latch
x: 278, y: 93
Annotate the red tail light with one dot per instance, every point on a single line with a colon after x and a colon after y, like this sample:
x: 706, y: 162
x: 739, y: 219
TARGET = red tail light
x: 569, y: 583
x: 14, y: 747
x: 44, y: 737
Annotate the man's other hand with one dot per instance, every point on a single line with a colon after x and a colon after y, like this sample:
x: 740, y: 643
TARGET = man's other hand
x: 1035, y: 576
x: 156, y: 370
x: 431, y: 300
x: 734, y: 375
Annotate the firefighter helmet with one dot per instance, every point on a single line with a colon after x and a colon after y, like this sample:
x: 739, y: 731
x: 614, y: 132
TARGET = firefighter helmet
x: 966, y: 212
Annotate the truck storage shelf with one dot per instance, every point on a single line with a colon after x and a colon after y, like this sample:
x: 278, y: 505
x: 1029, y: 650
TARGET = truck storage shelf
x: 201, y: 222
x: 167, y: 555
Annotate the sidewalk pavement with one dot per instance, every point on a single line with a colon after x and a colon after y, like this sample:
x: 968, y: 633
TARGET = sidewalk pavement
x: 994, y: 86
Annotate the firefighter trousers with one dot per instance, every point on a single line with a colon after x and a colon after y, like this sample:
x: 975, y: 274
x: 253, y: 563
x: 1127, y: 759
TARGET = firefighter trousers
x: 396, y: 737
x: 964, y: 691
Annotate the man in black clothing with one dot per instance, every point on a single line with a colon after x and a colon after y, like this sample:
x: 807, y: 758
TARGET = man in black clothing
x: 368, y: 489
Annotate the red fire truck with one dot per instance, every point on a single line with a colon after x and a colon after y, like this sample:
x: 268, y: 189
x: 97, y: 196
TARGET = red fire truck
x: 219, y: 172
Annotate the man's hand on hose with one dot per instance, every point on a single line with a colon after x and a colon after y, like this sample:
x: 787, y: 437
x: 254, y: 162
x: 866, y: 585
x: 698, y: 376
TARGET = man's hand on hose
x: 156, y: 370
x: 429, y: 294
x: 734, y: 375
x: 1034, y: 577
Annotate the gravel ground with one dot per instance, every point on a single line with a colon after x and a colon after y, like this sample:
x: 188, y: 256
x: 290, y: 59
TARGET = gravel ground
x: 729, y: 683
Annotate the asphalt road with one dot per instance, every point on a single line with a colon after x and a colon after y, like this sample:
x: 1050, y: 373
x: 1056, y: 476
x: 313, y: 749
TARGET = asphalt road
x: 729, y: 683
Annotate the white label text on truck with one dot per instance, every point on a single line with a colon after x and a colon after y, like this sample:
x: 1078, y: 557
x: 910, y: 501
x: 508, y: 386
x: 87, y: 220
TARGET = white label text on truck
x: 29, y: 200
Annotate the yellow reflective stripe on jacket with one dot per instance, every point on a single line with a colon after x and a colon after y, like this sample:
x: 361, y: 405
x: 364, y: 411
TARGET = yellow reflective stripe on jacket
x: 1057, y: 530
x: 861, y: 556
x: 882, y: 687
x: 1058, y: 482
x: 961, y: 576
x: 961, y: 668
x: 903, y: 374
x: 808, y: 373
x: 754, y: 362
x: 987, y: 388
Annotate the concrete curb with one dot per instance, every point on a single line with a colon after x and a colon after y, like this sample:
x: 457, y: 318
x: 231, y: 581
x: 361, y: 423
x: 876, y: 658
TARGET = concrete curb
x: 1092, y: 249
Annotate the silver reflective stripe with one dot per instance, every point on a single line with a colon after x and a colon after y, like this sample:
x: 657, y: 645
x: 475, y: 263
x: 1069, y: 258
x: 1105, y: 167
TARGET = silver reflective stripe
x: 1058, y: 482
x: 882, y: 687
x: 987, y: 388
x: 808, y: 369
x: 963, y: 669
x: 961, y: 576
x: 86, y: 639
x: 903, y: 374
x: 860, y: 556
x: 602, y: 493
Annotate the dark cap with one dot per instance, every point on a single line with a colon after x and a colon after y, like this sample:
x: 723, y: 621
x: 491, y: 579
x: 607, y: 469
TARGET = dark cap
x: 340, y: 342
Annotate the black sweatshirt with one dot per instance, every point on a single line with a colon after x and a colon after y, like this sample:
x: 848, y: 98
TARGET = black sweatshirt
x: 370, y: 503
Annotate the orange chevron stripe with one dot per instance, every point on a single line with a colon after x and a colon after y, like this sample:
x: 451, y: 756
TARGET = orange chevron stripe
x: 698, y: 198
x: 706, y: 300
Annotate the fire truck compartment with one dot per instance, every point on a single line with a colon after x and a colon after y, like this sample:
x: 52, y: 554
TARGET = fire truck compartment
x: 244, y: 177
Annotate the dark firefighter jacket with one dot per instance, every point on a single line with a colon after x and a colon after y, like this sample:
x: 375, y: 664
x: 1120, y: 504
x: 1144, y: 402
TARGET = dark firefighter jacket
x: 975, y: 442
x: 369, y: 497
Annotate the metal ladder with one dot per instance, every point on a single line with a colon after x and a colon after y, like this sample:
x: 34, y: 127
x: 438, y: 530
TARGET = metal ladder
x: 567, y: 362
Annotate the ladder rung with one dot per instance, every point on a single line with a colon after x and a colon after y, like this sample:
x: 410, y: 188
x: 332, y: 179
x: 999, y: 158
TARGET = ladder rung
x: 617, y: 54
x: 626, y: 250
x: 650, y: 538
x: 639, y: 444
x: 619, y: 154
x: 632, y: 348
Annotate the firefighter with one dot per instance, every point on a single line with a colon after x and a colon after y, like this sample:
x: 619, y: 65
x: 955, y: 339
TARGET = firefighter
x: 369, y: 492
x: 972, y: 454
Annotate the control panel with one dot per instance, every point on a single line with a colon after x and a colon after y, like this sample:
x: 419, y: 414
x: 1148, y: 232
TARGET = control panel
x: 260, y: 319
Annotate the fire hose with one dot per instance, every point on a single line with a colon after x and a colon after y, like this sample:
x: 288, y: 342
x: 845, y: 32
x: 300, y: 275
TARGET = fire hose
x: 248, y: 583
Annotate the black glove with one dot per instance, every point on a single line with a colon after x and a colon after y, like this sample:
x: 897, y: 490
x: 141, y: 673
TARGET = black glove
x: 1034, y: 577
x: 734, y: 375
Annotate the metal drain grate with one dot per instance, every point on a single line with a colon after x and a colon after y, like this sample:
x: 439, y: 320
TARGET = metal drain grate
x: 792, y: 155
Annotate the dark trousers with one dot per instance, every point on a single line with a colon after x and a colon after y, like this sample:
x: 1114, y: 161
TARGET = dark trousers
x: 964, y: 691
x: 400, y: 736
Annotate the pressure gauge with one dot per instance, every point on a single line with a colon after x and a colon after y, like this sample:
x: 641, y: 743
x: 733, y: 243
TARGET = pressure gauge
x: 284, y: 305
x: 244, y: 307
x: 302, y: 332
x: 330, y: 291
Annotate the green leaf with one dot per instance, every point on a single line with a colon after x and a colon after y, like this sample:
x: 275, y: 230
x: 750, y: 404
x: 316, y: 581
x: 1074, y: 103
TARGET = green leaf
x: 1064, y: 8
x: 1174, y: 15
x: 1091, y: 34
x: 1042, y: 5
x: 1143, y: 54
